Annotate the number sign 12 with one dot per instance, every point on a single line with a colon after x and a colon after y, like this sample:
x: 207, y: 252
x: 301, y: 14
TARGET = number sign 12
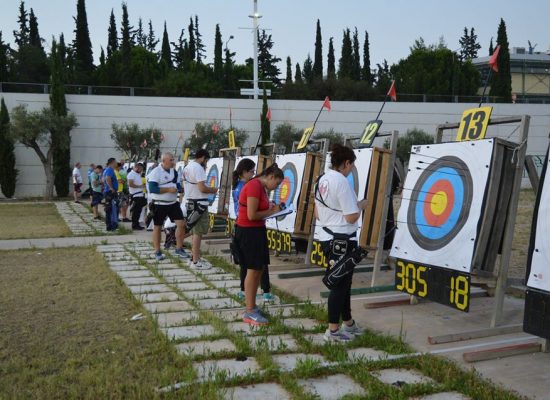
x: 473, y: 124
x: 370, y: 131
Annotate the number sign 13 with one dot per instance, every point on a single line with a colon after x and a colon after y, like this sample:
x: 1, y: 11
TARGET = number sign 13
x: 473, y: 124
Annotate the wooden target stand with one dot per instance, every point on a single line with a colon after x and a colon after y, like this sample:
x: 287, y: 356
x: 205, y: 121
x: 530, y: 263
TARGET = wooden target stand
x: 487, y: 267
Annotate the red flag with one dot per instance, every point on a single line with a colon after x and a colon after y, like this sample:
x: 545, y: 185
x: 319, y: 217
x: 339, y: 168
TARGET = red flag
x: 493, y: 61
x: 326, y: 104
x: 268, y: 115
x: 392, y: 93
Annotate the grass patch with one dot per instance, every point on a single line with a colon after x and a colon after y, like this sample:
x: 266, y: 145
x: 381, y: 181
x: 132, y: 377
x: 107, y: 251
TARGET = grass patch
x: 65, y: 331
x: 28, y: 221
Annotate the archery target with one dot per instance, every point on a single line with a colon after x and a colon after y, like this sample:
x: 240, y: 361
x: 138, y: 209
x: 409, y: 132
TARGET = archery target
x: 232, y: 214
x: 539, y: 265
x: 357, y: 178
x: 213, y: 175
x: 443, y: 201
x: 288, y: 191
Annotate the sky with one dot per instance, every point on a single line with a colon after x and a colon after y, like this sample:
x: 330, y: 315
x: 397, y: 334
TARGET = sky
x: 392, y: 25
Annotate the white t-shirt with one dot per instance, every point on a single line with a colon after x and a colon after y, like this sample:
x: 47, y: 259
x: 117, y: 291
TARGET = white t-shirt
x: 77, y: 177
x: 165, y: 179
x: 136, y: 178
x: 336, y: 193
x: 194, y: 173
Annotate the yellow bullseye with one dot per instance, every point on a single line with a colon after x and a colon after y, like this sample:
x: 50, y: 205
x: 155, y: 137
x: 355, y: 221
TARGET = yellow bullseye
x: 284, y: 192
x: 439, y: 203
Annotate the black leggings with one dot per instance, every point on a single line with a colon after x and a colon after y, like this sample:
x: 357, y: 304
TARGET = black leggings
x: 264, y: 282
x: 137, y: 205
x: 339, y: 298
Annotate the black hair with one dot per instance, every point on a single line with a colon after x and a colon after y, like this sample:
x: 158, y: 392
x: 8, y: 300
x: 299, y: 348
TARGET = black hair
x: 274, y: 170
x: 341, y: 154
x: 202, y: 153
x: 110, y: 160
x: 99, y: 166
x: 246, y: 164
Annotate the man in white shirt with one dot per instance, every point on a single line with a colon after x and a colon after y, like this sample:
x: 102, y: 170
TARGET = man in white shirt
x: 77, y: 182
x: 196, y: 193
x: 137, y: 197
x: 164, y: 188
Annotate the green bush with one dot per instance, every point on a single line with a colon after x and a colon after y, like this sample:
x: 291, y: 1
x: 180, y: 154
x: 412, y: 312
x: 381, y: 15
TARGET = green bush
x: 285, y: 134
x: 413, y: 137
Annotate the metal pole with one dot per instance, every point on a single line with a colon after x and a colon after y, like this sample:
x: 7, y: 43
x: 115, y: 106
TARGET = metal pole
x: 502, y: 279
x: 312, y: 233
x: 255, y: 17
x: 385, y: 206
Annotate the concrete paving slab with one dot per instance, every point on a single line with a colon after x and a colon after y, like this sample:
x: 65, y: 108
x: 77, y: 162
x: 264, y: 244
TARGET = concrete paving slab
x: 142, y: 289
x: 304, y: 323
x: 188, y: 332
x: 262, y: 391
x: 274, y: 342
x: 288, y: 362
x: 229, y: 315
x: 366, y: 354
x: 226, y: 284
x: 211, y: 271
x: 134, y: 274
x: 175, y: 272
x: 169, y: 266
x: 315, y: 338
x: 123, y: 263
x: 133, y: 267
x: 168, y: 306
x: 204, y: 294
x: 242, y: 327
x: 207, y: 370
x: 222, y: 302
x: 400, y: 376
x: 157, y: 297
x: 109, y: 248
x: 220, y: 277
x: 148, y: 280
x: 332, y: 387
x: 181, y: 279
x: 443, y: 396
x: 170, y: 319
x: 192, y: 286
x: 206, y: 347
x: 280, y: 311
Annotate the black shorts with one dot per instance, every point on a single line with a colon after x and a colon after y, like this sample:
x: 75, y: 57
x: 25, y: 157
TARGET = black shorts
x: 172, y: 211
x: 76, y: 187
x: 252, y: 246
x: 96, y: 198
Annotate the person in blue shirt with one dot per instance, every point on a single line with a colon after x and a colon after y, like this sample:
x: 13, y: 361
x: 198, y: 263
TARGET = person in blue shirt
x: 110, y: 188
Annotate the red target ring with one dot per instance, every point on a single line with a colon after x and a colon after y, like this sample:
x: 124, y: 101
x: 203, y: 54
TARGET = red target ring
x: 439, y: 202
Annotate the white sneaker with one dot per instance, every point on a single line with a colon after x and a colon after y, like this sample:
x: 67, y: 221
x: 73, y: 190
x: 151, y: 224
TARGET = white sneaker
x: 353, y: 330
x: 337, y: 337
x: 198, y: 265
x: 204, y: 261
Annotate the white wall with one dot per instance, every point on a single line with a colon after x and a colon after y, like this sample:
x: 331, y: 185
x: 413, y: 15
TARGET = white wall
x: 91, y: 140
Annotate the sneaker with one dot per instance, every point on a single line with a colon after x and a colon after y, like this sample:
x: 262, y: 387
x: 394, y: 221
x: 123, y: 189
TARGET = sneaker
x: 126, y: 220
x: 255, y: 318
x: 198, y: 265
x: 337, y: 337
x: 353, y: 330
x: 268, y: 297
x: 182, y: 254
x: 159, y: 256
x: 206, y: 262
x: 241, y: 295
x: 138, y: 228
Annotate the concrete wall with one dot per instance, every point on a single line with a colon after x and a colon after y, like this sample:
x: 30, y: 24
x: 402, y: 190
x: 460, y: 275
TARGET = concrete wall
x: 91, y: 140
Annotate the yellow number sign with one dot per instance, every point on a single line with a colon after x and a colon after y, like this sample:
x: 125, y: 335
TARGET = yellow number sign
x: 473, y: 124
x: 370, y: 131
x: 305, y: 138
x: 231, y: 136
x: 186, y: 155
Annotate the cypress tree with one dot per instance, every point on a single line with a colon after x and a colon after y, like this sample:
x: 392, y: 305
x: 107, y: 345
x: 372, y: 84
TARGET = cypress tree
x: 288, y: 70
x: 8, y: 173
x: 152, y: 41
x: 62, y: 50
x: 308, y: 70
x: 356, y: 57
x: 366, y: 74
x: 192, y: 43
x: 198, y: 39
x: 4, y: 68
x: 331, y: 63
x: 22, y: 36
x: 345, y: 69
x: 318, y: 59
x: 112, y: 40
x: 34, y: 36
x: 166, y: 51
x: 126, y: 42
x: 102, y: 57
x: 501, y: 82
x: 218, y: 61
x: 84, y: 58
x: 61, y: 140
x: 491, y: 47
x: 265, y: 123
x: 141, y: 37
x: 298, y: 74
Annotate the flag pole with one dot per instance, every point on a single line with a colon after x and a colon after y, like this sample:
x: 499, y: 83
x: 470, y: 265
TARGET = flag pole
x: 485, y: 85
x: 381, y: 108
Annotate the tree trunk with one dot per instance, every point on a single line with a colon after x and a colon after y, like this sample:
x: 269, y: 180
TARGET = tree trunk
x: 48, y: 191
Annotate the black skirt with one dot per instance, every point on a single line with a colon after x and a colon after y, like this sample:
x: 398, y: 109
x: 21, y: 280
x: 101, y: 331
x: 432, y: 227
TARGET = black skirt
x: 251, y: 244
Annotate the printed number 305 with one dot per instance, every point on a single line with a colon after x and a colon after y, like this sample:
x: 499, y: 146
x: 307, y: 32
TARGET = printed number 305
x: 409, y: 276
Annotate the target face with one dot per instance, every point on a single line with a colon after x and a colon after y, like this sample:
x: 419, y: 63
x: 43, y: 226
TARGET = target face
x: 442, y: 204
x: 232, y: 213
x: 286, y: 191
x: 441, y: 201
x: 213, y: 180
x: 353, y: 180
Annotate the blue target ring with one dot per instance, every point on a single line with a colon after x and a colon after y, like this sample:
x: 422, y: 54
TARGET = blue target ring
x: 353, y: 180
x: 213, y: 180
x: 286, y: 191
x: 440, y: 203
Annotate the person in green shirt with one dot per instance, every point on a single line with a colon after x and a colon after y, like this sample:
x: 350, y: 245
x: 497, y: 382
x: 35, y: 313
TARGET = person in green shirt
x: 123, y: 197
x: 97, y: 189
